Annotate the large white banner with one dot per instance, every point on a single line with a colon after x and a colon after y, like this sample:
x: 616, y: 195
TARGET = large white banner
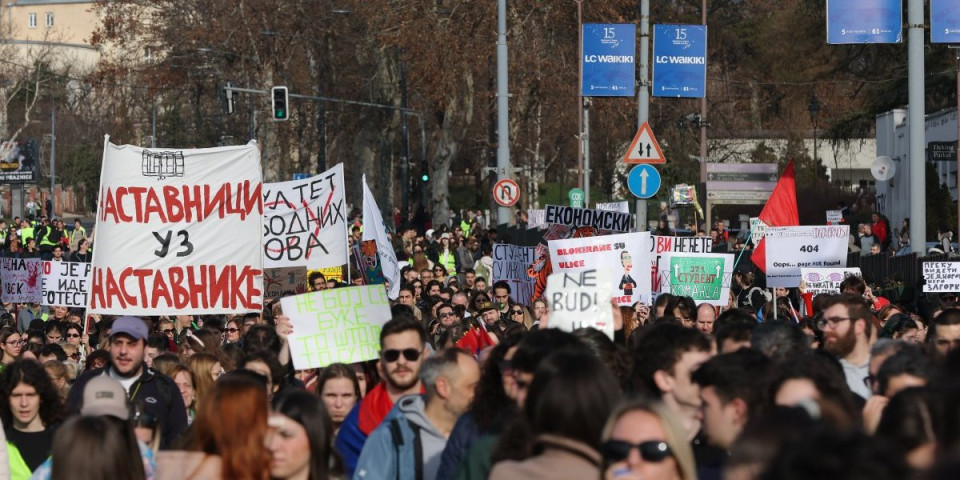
x: 705, y: 277
x: 178, y: 231
x: 580, y: 300
x: 626, y: 257
x: 336, y: 325
x: 791, y: 248
x: 826, y: 280
x: 510, y: 263
x: 374, y: 229
x: 65, y: 284
x: 305, y: 222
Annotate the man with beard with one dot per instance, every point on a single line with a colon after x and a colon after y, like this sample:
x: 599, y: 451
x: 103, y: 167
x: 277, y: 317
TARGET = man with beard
x: 846, y: 325
x: 402, y: 342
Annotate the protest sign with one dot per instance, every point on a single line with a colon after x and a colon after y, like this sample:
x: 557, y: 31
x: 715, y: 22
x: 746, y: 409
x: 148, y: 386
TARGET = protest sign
x: 178, y: 231
x: 834, y: 217
x: 336, y: 325
x: 622, y: 207
x: 580, y: 300
x: 939, y: 277
x: 21, y: 280
x: 366, y: 254
x: 282, y: 282
x: 661, y: 247
x: 826, y: 280
x: 791, y: 248
x: 757, y: 229
x: 510, y: 264
x: 65, y: 284
x: 704, y: 277
x: 330, y: 273
x: 584, y: 217
x: 305, y: 222
x: 536, y: 218
x: 625, y: 256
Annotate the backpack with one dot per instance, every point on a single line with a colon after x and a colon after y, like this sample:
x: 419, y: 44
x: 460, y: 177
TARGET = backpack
x: 397, y: 434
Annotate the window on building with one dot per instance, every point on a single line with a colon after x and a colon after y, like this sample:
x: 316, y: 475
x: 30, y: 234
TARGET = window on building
x: 32, y: 20
x: 49, y: 19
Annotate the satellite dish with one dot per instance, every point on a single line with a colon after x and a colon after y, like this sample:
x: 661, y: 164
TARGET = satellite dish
x: 883, y: 168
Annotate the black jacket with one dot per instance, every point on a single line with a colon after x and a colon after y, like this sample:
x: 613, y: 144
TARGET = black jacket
x: 156, y: 392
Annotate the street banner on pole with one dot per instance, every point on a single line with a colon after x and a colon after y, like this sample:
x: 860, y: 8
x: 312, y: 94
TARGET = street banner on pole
x: 679, y: 61
x: 608, y: 60
x: 864, y: 21
x: 944, y: 21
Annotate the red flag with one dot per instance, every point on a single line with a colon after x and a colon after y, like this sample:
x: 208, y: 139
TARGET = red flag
x: 780, y: 211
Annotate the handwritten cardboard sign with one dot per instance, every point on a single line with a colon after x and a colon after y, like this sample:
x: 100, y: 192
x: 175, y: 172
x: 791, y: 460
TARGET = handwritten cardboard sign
x: 939, y: 277
x: 580, y: 300
x: 336, y: 325
x: 21, y: 280
x: 65, y: 284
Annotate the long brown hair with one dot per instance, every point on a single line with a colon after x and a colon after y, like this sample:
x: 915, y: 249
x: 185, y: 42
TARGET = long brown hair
x: 232, y: 423
x: 91, y: 448
x: 200, y: 365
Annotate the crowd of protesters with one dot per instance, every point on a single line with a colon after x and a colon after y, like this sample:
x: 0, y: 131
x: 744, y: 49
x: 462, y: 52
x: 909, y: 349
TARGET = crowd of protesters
x: 472, y: 384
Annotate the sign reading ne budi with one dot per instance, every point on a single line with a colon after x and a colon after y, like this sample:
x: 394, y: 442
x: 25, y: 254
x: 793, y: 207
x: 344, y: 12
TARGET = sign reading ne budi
x: 625, y: 257
x: 791, y: 248
x: 679, y: 61
x: 944, y: 21
x: 336, y: 325
x: 580, y: 300
x: 608, y: 60
x: 864, y: 21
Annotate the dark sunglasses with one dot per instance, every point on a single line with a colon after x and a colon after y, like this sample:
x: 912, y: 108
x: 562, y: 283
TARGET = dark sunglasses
x: 447, y: 314
x: 231, y: 330
x: 517, y: 312
x: 411, y: 354
x: 167, y: 330
x: 652, y: 451
x: 73, y: 335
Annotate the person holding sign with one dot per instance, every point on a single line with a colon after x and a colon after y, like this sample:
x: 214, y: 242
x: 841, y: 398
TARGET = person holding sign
x: 402, y: 342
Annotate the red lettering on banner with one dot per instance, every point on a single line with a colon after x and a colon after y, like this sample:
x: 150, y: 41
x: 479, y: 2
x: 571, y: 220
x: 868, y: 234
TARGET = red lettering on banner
x: 189, y: 203
x: 663, y: 244
x: 218, y: 287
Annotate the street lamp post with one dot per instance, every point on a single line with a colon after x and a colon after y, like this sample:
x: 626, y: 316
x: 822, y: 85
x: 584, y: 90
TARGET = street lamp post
x: 814, y: 108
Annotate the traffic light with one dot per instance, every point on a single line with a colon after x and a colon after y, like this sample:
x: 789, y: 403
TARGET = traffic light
x: 425, y: 177
x: 281, y: 103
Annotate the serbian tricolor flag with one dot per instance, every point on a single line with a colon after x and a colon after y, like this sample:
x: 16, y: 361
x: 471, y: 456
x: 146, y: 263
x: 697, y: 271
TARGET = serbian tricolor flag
x: 780, y: 211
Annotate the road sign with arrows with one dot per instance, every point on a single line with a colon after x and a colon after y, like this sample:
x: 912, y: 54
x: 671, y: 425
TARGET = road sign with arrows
x: 644, y: 148
x: 644, y: 181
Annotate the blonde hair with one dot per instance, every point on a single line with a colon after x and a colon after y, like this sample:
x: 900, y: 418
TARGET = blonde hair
x: 200, y: 365
x: 676, y: 436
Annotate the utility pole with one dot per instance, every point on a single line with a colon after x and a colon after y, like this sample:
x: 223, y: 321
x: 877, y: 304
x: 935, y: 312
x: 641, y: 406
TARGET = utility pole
x: 703, y: 124
x: 580, y: 143
x: 918, y: 143
x: 503, y: 133
x: 643, y: 94
x: 53, y: 154
x: 404, y: 147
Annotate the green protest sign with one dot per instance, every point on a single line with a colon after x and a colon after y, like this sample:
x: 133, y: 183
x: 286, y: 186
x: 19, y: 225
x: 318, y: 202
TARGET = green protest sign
x: 336, y: 325
x: 705, y: 277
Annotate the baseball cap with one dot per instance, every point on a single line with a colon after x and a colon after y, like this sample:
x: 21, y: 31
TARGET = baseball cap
x: 486, y: 306
x: 429, y: 233
x: 131, y: 326
x: 105, y: 396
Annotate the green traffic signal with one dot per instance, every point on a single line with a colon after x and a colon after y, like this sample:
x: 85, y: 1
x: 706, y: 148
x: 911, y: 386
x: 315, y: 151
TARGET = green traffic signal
x: 425, y: 177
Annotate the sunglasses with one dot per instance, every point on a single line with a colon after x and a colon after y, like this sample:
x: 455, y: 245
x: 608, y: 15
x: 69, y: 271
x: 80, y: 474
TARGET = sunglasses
x: 517, y: 312
x: 167, y: 331
x: 651, y: 451
x: 411, y: 354
x: 73, y: 335
x: 231, y: 330
x: 446, y: 314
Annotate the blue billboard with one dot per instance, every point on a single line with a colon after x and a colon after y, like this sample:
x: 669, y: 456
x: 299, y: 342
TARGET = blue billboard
x: 944, y: 21
x: 609, y: 53
x: 864, y: 21
x: 680, y: 61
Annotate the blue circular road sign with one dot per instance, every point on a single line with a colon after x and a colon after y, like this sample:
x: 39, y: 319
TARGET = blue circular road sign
x: 644, y: 181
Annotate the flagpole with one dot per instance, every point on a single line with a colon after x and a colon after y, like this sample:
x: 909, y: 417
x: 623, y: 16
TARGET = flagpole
x: 774, y: 291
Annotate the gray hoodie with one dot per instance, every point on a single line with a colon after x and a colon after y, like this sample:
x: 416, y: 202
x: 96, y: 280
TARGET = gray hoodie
x: 379, y: 458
